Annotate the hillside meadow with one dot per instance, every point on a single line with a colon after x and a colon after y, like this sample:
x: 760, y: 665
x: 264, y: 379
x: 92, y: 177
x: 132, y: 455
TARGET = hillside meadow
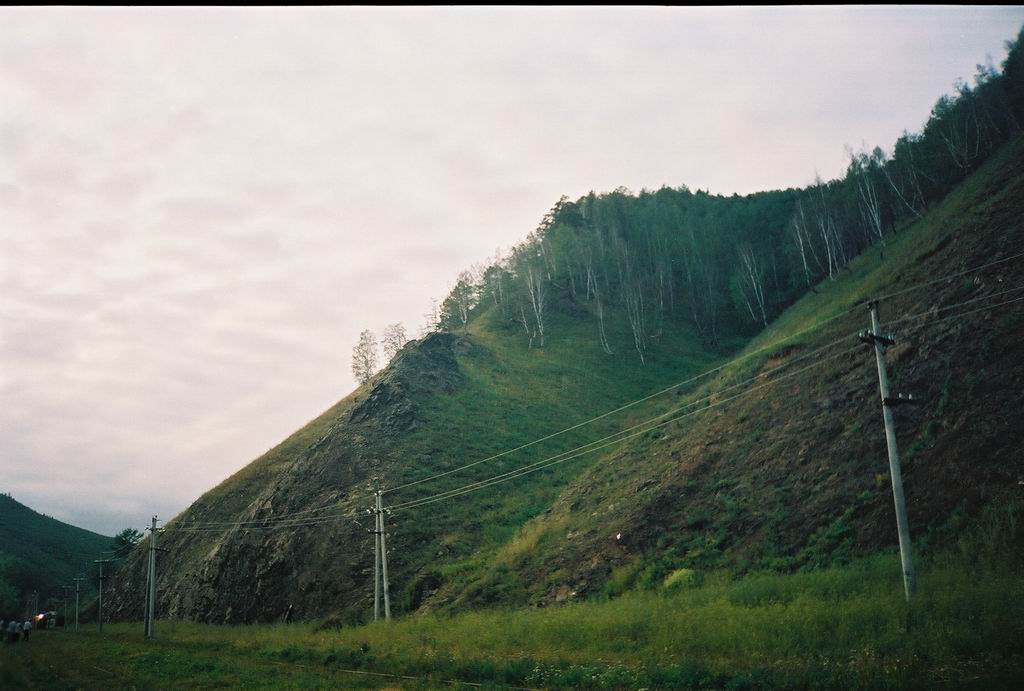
x: 839, y: 627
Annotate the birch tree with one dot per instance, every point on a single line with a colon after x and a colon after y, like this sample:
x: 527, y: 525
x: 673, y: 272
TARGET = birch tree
x: 431, y: 319
x: 798, y: 229
x: 364, y: 357
x: 537, y: 291
x: 460, y: 301
x: 392, y: 340
x: 864, y: 169
x: 751, y: 279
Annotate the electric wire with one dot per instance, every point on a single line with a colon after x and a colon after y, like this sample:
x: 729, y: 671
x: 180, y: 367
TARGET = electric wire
x: 269, y: 519
x: 919, y: 315
x: 618, y: 436
x: 555, y: 460
x: 563, y: 457
x: 697, y: 377
x: 630, y: 404
x: 288, y: 522
x: 291, y: 521
x: 747, y: 356
x: 264, y: 525
x: 918, y: 286
x: 706, y: 398
x: 530, y: 469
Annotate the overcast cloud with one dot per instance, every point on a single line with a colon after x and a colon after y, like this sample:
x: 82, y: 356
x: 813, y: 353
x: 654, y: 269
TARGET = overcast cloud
x: 201, y: 209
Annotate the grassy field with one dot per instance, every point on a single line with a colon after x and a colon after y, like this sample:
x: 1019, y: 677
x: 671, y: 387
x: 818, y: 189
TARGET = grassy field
x: 846, y: 627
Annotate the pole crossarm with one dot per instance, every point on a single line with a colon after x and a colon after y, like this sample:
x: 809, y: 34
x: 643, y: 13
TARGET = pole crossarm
x: 872, y: 338
x: 901, y: 399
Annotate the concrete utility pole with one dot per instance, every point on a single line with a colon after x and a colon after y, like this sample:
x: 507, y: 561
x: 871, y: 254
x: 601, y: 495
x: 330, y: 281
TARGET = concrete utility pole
x: 78, y: 580
x: 383, y: 557
x: 151, y: 582
x: 879, y: 341
x: 376, y: 558
x: 99, y: 616
x: 380, y: 556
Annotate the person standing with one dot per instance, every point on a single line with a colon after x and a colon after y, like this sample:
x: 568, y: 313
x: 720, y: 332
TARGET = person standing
x: 26, y: 629
x: 12, y: 631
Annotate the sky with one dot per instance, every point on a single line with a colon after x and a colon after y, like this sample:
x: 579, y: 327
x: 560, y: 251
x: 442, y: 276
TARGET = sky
x: 201, y: 209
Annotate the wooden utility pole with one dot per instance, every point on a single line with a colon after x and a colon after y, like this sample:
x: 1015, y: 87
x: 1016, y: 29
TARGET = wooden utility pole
x: 880, y: 341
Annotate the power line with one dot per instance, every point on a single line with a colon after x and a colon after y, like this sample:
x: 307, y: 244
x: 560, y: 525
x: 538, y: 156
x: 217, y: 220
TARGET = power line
x: 932, y: 282
x: 734, y: 361
x: 555, y: 460
x: 540, y: 465
x: 284, y: 523
x: 597, y: 445
x: 193, y: 525
x: 289, y: 522
x: 674, y: 411
x: 186, y: 523
x: 919, y: 315
x: 583, y: 448
x: 692, y: 379
x: 293, y: 520
x: 288, y: 516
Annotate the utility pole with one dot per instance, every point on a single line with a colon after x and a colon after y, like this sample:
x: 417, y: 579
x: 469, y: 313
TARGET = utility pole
x: 880, y: 341
x: 376, y: 556
x: 99, y: 617
x: 383, y: 557
x: 380, y: 556
x: 145, y: 604
x: 65, y: 588
x: 151, y: 582
x: 78, y: 580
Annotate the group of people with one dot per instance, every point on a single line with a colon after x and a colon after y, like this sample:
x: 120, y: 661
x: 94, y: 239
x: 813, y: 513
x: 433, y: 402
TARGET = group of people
x: 15, y: 630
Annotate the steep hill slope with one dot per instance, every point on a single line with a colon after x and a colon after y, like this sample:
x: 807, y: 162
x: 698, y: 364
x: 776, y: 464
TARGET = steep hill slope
x: 790, y: 475
x: 794, y: 474
x: 445, y: 400
x: 41, y: 553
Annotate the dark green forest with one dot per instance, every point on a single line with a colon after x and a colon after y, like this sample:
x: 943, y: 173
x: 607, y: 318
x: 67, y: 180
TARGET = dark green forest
x: 730, y: 264
x: 40, y: 553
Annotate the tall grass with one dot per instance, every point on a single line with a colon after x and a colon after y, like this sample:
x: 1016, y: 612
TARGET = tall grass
x: 840, y: 627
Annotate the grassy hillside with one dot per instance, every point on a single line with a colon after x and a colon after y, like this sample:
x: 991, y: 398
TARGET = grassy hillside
x: 790, y: 476
x: 446, y: 400
x: 41, y: 553
x: 794, y: 475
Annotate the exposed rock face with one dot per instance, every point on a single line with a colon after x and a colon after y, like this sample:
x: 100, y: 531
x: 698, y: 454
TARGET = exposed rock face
x: 235, y: 574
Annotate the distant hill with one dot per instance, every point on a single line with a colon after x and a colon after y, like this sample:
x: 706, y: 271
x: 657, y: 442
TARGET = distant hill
x: 39, y: 553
